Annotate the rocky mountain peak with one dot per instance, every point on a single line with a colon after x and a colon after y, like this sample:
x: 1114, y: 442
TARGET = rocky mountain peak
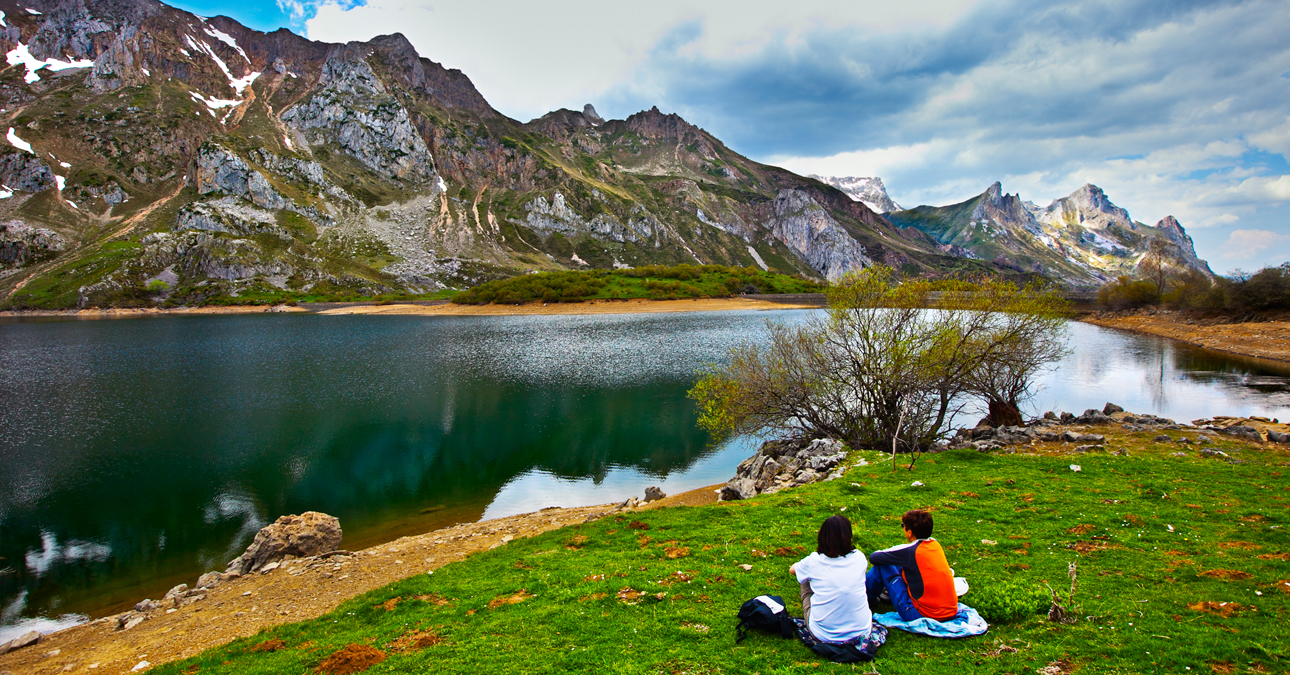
x: 592, y: 116
x: 994, y: 194
x: 866, y: 189
x: 1090, y: 199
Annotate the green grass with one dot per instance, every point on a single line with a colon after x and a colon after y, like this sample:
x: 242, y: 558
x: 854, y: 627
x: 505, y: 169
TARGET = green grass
x: 652, y: 281
x: 1139, y: 582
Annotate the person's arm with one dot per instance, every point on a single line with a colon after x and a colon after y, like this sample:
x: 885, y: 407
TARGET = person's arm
x: 792, y: 569
x: 900, y: 556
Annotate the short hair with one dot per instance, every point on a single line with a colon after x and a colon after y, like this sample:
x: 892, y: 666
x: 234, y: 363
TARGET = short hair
x: 919, y: 522
x: 834, y: 539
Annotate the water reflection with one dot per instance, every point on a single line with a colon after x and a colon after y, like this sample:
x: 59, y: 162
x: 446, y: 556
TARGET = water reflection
x: 1160, y: 376
x: 138, y: 454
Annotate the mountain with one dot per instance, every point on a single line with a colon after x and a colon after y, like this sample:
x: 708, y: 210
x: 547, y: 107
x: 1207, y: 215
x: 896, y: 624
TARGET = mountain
x: 156, y: 155
x: 870, y: 191
x: 1082, y: 239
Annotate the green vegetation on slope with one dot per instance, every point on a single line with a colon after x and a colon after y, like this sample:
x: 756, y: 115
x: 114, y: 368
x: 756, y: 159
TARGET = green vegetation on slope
x: 651, y: 281
x: 1183, y: 563
x: 1242, y: 294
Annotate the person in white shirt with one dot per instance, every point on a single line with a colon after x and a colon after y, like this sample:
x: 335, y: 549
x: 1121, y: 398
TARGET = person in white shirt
x: 832, y: 582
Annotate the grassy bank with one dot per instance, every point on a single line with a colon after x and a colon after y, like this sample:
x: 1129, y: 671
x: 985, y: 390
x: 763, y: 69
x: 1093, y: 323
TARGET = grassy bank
x: 1161, y: 542
x: 653, y: 282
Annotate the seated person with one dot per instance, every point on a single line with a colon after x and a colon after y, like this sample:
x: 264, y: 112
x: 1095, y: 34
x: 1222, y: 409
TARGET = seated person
x: 916, y: 576
x: 834, y: 599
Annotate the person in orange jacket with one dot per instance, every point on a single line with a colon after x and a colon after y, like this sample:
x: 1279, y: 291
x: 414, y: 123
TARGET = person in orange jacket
x: 915, y: 576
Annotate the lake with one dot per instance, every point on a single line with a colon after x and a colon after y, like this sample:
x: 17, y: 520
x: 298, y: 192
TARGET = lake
x: 137, y: 454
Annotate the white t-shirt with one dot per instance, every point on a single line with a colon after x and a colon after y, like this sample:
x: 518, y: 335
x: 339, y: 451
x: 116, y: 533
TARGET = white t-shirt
x: 840, y: 606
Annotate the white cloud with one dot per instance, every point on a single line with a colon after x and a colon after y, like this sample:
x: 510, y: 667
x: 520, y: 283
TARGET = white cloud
x: 1275, y: 139
x: 528, y: 58
x: 1247, y: 245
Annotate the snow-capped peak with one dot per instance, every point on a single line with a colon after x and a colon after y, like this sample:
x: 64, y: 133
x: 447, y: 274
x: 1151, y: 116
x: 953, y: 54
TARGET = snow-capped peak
x: 868, y: 190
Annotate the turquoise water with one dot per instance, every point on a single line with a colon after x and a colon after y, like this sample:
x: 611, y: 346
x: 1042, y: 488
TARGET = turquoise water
x: 137, y: 454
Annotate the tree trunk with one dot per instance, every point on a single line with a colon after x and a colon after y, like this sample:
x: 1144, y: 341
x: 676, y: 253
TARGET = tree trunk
x: 1004, y: 414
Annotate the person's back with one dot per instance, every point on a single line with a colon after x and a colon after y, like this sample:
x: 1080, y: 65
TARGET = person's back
x: 834, y: 597
x: 926, y: 580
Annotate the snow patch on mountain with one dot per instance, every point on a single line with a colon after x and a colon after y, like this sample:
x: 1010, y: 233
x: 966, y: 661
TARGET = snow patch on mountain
x: 868, y: 190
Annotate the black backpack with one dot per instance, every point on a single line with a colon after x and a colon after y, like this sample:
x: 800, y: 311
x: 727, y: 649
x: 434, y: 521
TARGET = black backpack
x: 765, y: 613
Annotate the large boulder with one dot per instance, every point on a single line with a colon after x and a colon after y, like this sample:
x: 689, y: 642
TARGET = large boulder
x: 310, y: 533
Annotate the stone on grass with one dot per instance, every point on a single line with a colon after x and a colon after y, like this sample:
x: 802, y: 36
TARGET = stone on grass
x: 1162, y: 439
x: 1111, y: 409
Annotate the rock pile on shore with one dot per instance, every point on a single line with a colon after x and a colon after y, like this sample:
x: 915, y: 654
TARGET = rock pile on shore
x: 985, y: 438
x: 784, y: 463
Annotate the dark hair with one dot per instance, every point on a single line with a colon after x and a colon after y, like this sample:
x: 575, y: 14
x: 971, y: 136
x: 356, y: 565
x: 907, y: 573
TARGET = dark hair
x: 919, y: 522
x: 834, y: 539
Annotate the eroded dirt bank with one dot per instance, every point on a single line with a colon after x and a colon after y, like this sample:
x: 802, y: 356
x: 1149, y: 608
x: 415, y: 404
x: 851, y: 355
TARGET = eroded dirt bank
x: 297, y: 590
x: 1265, y: 340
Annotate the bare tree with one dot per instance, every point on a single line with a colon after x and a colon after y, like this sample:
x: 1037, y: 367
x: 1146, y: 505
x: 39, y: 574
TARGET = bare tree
x: 1157, y: 266
x: 883, y: 368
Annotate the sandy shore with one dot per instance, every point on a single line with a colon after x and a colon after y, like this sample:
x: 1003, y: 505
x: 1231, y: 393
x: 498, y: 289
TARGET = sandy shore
x: 298, y: 590
x: 1265, y: 340
x: 446, y: 309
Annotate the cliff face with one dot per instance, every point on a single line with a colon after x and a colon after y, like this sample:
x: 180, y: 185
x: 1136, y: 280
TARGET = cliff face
x: 147, y: 144
x: 1082, y: 239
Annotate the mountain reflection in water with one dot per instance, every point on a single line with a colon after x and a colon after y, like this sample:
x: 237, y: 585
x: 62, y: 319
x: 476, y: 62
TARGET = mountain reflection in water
x: 137, y: 454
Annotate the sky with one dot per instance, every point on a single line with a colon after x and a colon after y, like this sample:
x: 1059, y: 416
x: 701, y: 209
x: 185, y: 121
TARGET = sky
x: 1174, y: 108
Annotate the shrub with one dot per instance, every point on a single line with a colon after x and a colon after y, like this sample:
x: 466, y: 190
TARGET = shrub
x: 158, y: 286
x: 1007, y: 601
x: 1127, y: 292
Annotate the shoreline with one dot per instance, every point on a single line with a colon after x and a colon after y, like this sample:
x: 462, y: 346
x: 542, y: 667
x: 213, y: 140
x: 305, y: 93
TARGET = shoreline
x: 1267, y: 340
x: 295, y: 591
x: 588, y: 307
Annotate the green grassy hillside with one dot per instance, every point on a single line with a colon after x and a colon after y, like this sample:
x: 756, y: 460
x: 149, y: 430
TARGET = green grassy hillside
x: 1183, y: 567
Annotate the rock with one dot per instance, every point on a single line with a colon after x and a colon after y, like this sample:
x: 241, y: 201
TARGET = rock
x: 784, y: 463
x: 25, y: 640
x: 146, y: 605
x: 1066, y: 418
x: 1184, y: 440
x: 982, y: 431
x: 176, y: 592
x: 1072, y: 437
x: 1278, y: 437
x: 1092, y: 416
x: 309, y: 533
x: 211, y: 579
x: 653, y: 493
x: 1240, y: 431
x: 1163, y: 439
x: 129, y: 620
x: 738, y: 488
x: 1111, y: 409
x: 1214, y: 453
x: 22, y: 244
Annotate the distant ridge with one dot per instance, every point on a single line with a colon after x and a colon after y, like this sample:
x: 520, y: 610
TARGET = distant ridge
x: 1082, y: 239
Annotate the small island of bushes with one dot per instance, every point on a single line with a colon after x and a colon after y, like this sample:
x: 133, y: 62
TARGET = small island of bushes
x: 653, y: 282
